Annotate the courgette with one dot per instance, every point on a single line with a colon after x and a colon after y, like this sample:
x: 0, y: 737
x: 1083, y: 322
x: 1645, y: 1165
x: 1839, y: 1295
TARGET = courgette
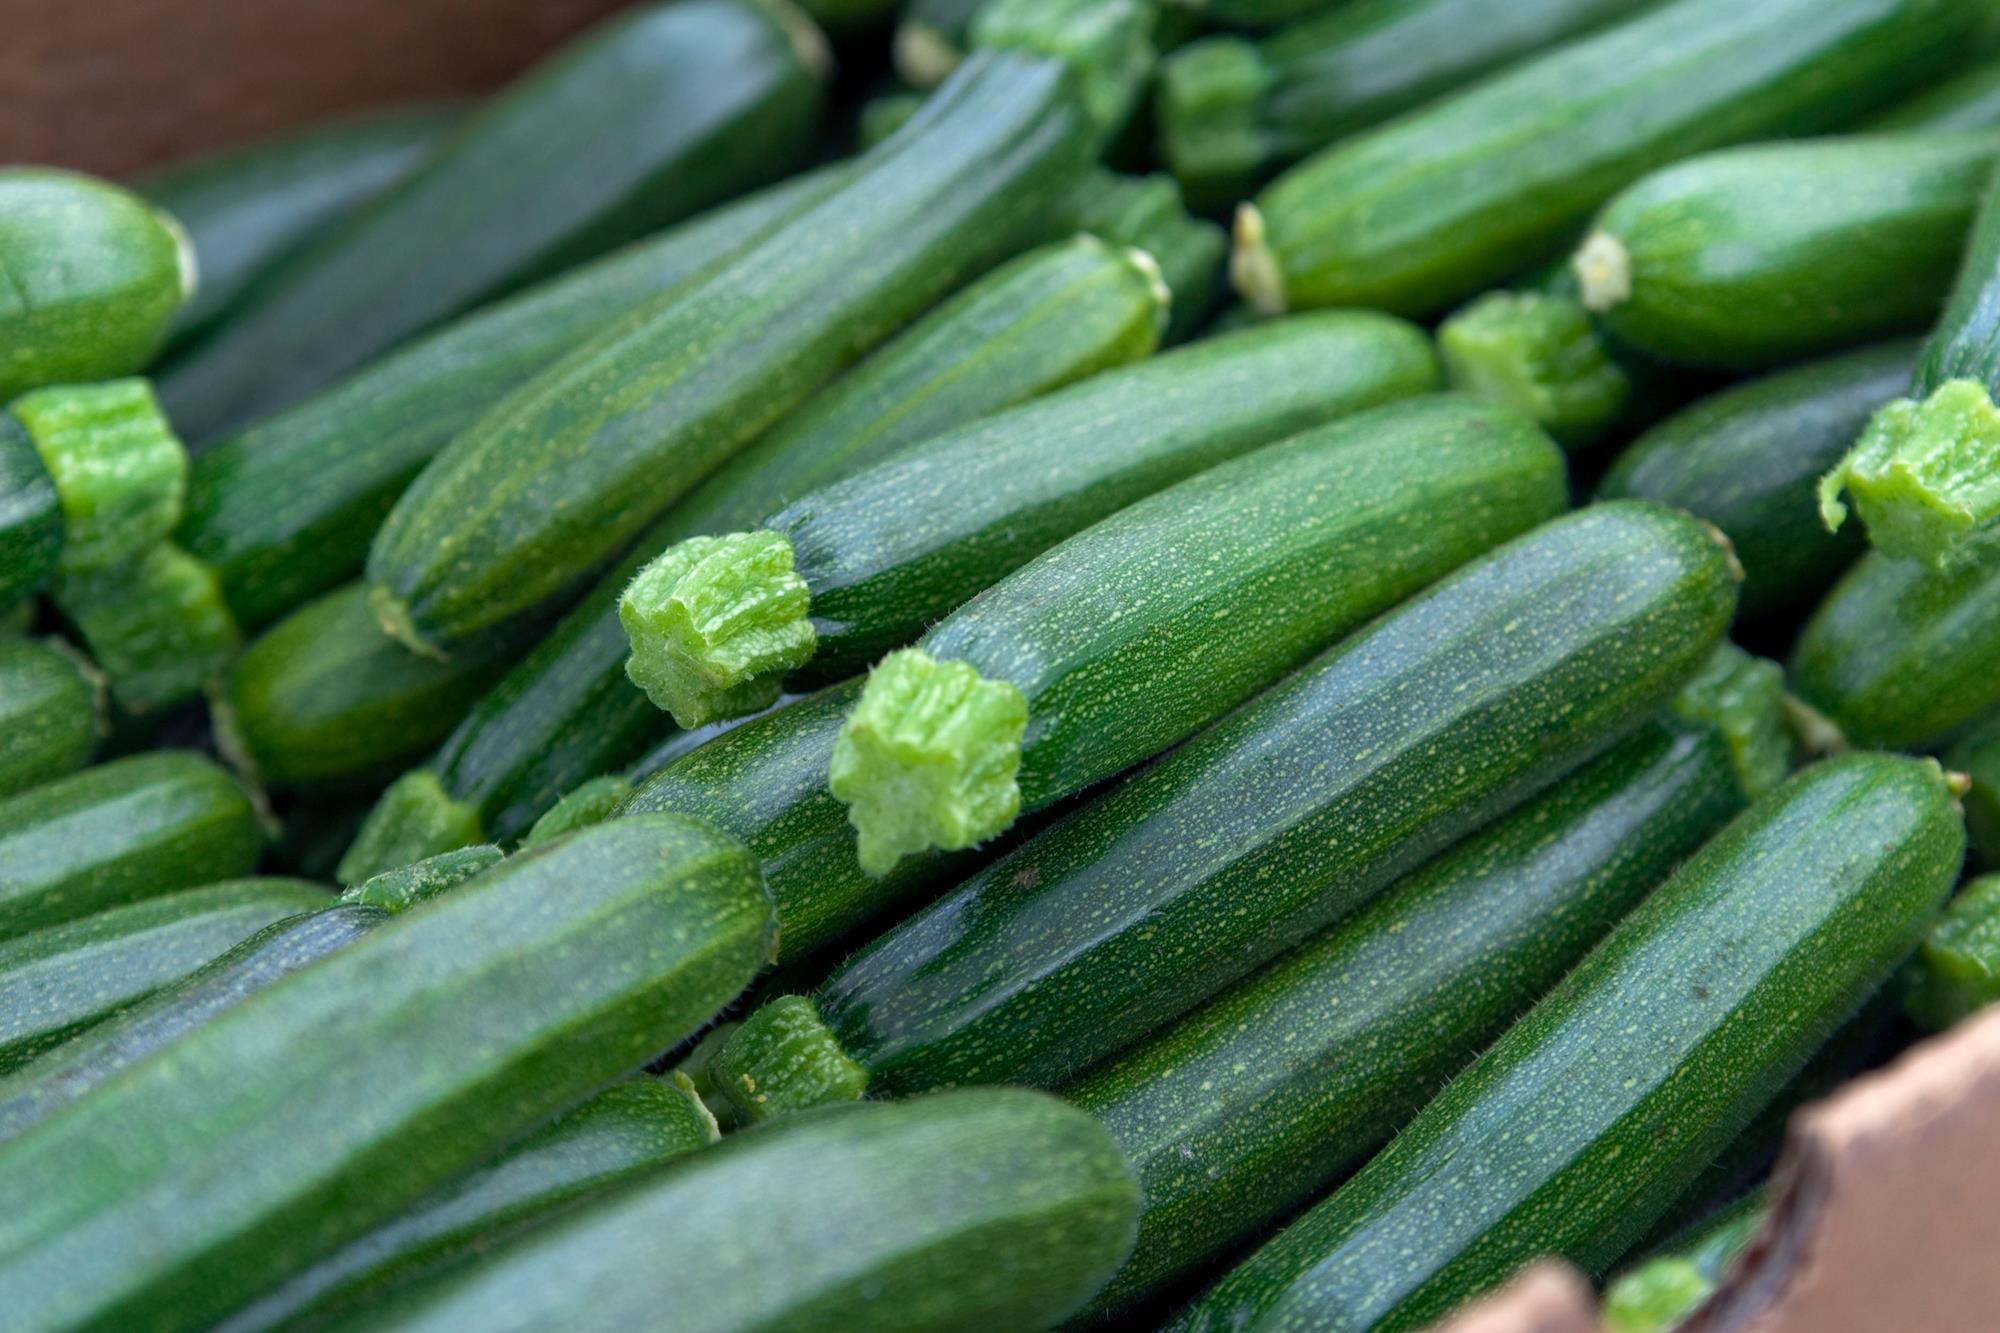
x: 1251, y: 1105
x: 1654, y: 1296
x: 989, y: 1208
x: 60, y: 980
x: 1192, y: 599
x: 651, y: 116
x: 1977, y: 755
x: 94, y: 275
x: 157, y: 626
x: 1578, y: 1128
x: 625, y: 1132
x: 1540, y: 353
x: 51, y: 712
x: 838, y: 576
x: 1748, y: 457
x: 363, y: 1081
x: 1453, y: 197
x: 1743, y: 699
x: 1147, y: 213
x: 564, y: 473
x: 130, y: 829
x: 31, y: 524
x: 1957, y: 971
x: 1969, y: 102
x: 1289, y: 814
x: 1233, y: 110
x: 1759, y: 256
x: 401, y: 889
x: 120, y: 474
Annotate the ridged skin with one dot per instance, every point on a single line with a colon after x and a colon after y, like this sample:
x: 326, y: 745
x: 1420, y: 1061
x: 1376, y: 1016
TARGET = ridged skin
x: 653, y: 115
x: 1747, y: 459
x: 130, y: 829
x: 1251, y: 1105
x: 986, y: 1209
x: 1295, y: 810
x: 331, y: 1101
x: 51, y: 712
x: 1480, y: 185
x: 1577, y: 1129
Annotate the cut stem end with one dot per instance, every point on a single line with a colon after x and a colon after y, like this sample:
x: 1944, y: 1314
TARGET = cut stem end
x: 784, y: 1058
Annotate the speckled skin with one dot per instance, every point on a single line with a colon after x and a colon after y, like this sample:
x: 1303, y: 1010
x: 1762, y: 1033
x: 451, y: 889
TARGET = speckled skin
x: 51, y: 712
x: 1580, y: 1126
x: 1480, y: 185
x: 1248, y: 1107
x: 333, y: 1100
x: 119, y: 832
x: 990, y: 1209
x: 60, y: 980
x: 1295, y: 810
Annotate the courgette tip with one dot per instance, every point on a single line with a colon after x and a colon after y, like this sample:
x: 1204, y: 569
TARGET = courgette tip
x: 1655, y: 1296
x: 784, y: 1058
x: 1253, y: 268
x: 1539, y: 355
x: 1156, y: 286
x: 414, y: 818
x: 392, y: 613
x: 1924, y: 476
x: 928, y: 758
x: 715, y: 623
x: 589, y: 802
x: 1603, y: 269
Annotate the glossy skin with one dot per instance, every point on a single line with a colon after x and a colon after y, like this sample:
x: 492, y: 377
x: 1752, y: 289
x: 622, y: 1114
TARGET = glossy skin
x: 130, y: 829
x: 1966, y: 342
x: 984, y: 1209
x: 329, y: 1102
x: 51, y: 712
x: 1748, y: 458
x: 1480, y: 185
x: 1292, y: 812
x: 1578, y: 1128
x: 1251, y: 1105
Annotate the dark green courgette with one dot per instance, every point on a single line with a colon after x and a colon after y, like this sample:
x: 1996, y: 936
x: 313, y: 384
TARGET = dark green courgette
x: 563, y: 474
x: 1578, y: 1128
x: 990, y: 1208
x: 1969, y: 102
x: 157, y: 626
x: 1251, y: 1105
x: 360, y: 1083
x: 1748, y: 458
x: 130, y: 829
x: 1140, y: 630
x: 1977, y: 755
x: 1957, y: 971
x: 51, y: 712
x: 60, y: 980
x: 94, y: 273
x: 1453, y: 197
x: 1289, y: 814
x: 652, y: 115
x: 1655, y: 1295
x: 838, y: 576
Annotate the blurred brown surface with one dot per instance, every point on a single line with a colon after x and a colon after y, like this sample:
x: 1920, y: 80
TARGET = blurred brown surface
x: 115, y: 85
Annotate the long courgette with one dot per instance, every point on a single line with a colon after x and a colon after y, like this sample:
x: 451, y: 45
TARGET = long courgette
x: 1576, y: 1130
x: 51, y: 712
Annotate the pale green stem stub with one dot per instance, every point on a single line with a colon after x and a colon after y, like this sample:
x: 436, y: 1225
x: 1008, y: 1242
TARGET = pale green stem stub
x: 1924, y: 476
x: 784, y: 1058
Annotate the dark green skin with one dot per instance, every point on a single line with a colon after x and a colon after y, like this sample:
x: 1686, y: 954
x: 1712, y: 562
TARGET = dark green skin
x: 1292, y: 812
x: 247, y: 208
x: 51, y: 712
x: 286, y: 509
x: 652, y: 116
x: 563, y: 474
x: 1577, y: 1129
x: 1748, y: 459
x: 1200, y: 595
x: 1250, y: 1106
x: 1763, y: 255
x: 330, y: 1102
x: 59, y: 981
x: 31, y: 521
x: 43, y: 1086
x: 988, y: 1208
x: 888, y: 551
x: 1902, y: 655
x: 1969, y: 102
x: 130, y: 829
x: 323, y: 699
x: 628, y: 1130
x: 1977, y: 755
x: 1479, y: 185
x: 1966, y: 342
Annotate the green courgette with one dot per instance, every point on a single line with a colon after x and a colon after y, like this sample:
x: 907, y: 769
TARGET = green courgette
x: 51, y: 712
x: 838, y: 576
x: 157, y: 626
x: 1540, y: 353
x: 989, y: 1208
x: 60, y: 980
x: 1969, y: 102
x: 404, y: 887
x: 1977, y: 755
x: 1743, y: 698
x: 652, y: 115
x: 130, y: 829
x: 1251, y: 1105
x: 365, y: 1080
x: 1957, y: 971
x: 1147, y: 213
x: 1748, y: 457
x: 31, y: 522
x: 1654, y: 1296
x: 1289, y: 814
x: 1764, y: 255
x: 563, y: 474
x: 120, y: 474
x: 1192, y: 600
x: 1455, y: 196
x: 1578, y: 1128
x: 94, y: 273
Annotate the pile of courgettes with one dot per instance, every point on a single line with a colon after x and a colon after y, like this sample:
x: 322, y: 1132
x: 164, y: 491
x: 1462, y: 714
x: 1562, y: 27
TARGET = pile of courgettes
x: 678, y: 699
